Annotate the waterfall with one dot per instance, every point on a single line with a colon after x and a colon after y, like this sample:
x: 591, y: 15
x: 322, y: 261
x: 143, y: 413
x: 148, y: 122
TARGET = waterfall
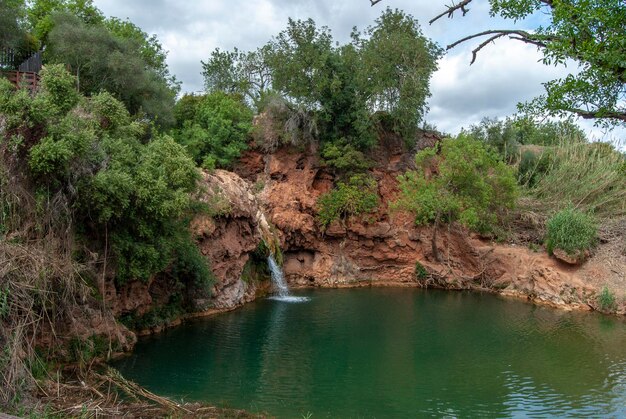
x: 277, y: 277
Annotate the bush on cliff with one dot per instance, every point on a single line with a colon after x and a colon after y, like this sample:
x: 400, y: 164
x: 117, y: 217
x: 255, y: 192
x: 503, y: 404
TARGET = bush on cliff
x: 463, y: 181
x: 357, y: 196
x: 337, y: 86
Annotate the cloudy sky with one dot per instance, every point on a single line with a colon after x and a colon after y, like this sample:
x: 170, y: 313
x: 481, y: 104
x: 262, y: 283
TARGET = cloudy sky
x: 505, y: 73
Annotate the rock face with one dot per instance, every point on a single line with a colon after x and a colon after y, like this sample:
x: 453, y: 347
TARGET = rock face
x: 228, y: 238
x: 385, y: 249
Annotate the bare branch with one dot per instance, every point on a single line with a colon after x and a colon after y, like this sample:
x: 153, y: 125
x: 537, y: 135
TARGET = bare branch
x: 482, y: 45
x: 450, y: 12
x: 521, y: 35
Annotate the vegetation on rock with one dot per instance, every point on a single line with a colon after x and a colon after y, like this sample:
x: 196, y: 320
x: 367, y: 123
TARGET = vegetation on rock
x: 357, y: 196
x: 463, y: 181
x: 213, y: 128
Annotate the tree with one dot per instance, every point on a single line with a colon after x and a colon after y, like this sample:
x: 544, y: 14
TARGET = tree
x: 149, y: 47
x: 244, y: 73
x: 464, y: 181
x: 398, y: 63
x: 218, y: 128
x: 506, y: 136
x: 100, y: 60
x: 40, y: 14
x: 589, y: 32
x: 340, y: 85
x: 11, y: 31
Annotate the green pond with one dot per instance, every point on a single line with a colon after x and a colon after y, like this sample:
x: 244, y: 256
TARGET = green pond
x: 365, y: 353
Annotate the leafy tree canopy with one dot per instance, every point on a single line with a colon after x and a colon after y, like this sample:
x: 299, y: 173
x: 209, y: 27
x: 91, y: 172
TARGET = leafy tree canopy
x: 213, y: 128
x: 12, y: 13
x: 100, y: 60
x: 342, y: 84
x: 40, y: 14
x: 113, y: 179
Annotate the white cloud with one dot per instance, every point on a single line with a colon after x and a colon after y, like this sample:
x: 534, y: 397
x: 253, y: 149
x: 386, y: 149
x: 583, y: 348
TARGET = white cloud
x: 505, y: 73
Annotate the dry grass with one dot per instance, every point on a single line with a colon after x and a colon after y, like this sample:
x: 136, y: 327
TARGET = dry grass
x: 108, y: 394
x: 37, y: 289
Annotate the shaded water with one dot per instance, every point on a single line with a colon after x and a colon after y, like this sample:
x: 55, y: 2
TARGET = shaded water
x: 392, y: 353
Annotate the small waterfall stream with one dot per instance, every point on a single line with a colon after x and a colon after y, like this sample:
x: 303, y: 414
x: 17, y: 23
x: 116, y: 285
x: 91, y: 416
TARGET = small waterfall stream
x: 278, y: 279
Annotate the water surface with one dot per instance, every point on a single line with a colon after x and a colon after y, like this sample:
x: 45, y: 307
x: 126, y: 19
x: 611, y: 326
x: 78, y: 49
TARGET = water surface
x: 392, y: 353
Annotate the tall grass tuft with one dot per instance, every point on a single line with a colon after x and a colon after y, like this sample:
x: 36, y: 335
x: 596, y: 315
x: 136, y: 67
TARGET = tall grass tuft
x: 591, y: 177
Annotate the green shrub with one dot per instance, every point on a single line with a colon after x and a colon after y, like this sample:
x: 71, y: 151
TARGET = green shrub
x: 191, y: 267
x: 358, y: 196
x: 606, y: 299
x: 465, y: 182
x: 420, y: 271
x: 572, y: 231
x: 344, y: 158
x: 158, y: 316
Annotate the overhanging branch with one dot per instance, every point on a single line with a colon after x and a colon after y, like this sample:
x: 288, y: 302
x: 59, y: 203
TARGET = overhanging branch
x: 449, y: 12
x: 518, y: 35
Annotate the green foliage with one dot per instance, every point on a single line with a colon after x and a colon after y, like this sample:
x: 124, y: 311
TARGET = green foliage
x: 356, y: 197
x: 126, y: 63
x: 218, y: 131
x: 158, y: 316
x: 84, y: 350
x: 340, y: 85
x: 190, y: 267
x: 606, y: 299
x: 40, y: 14
x: 398, y: 80
x: 4, y: 302
x: 186, y: 108
x: 88, y: 153
x: 510, y: 135
x: 149, y: 46
x: 464, y: 182
x: 572, y: 231
x: 533, y: 165
x: 420, y: 271
x: 11, y: 31
x: 235, y: 72
x: 344, y: 158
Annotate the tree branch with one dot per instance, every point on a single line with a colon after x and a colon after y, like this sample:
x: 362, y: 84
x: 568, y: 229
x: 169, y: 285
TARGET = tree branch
x: 521, y: 36
x: 621, y: 116
x: 450, y: 12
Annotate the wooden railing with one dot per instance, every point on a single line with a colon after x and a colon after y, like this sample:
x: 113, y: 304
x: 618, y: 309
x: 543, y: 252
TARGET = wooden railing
x: 23, y: 79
